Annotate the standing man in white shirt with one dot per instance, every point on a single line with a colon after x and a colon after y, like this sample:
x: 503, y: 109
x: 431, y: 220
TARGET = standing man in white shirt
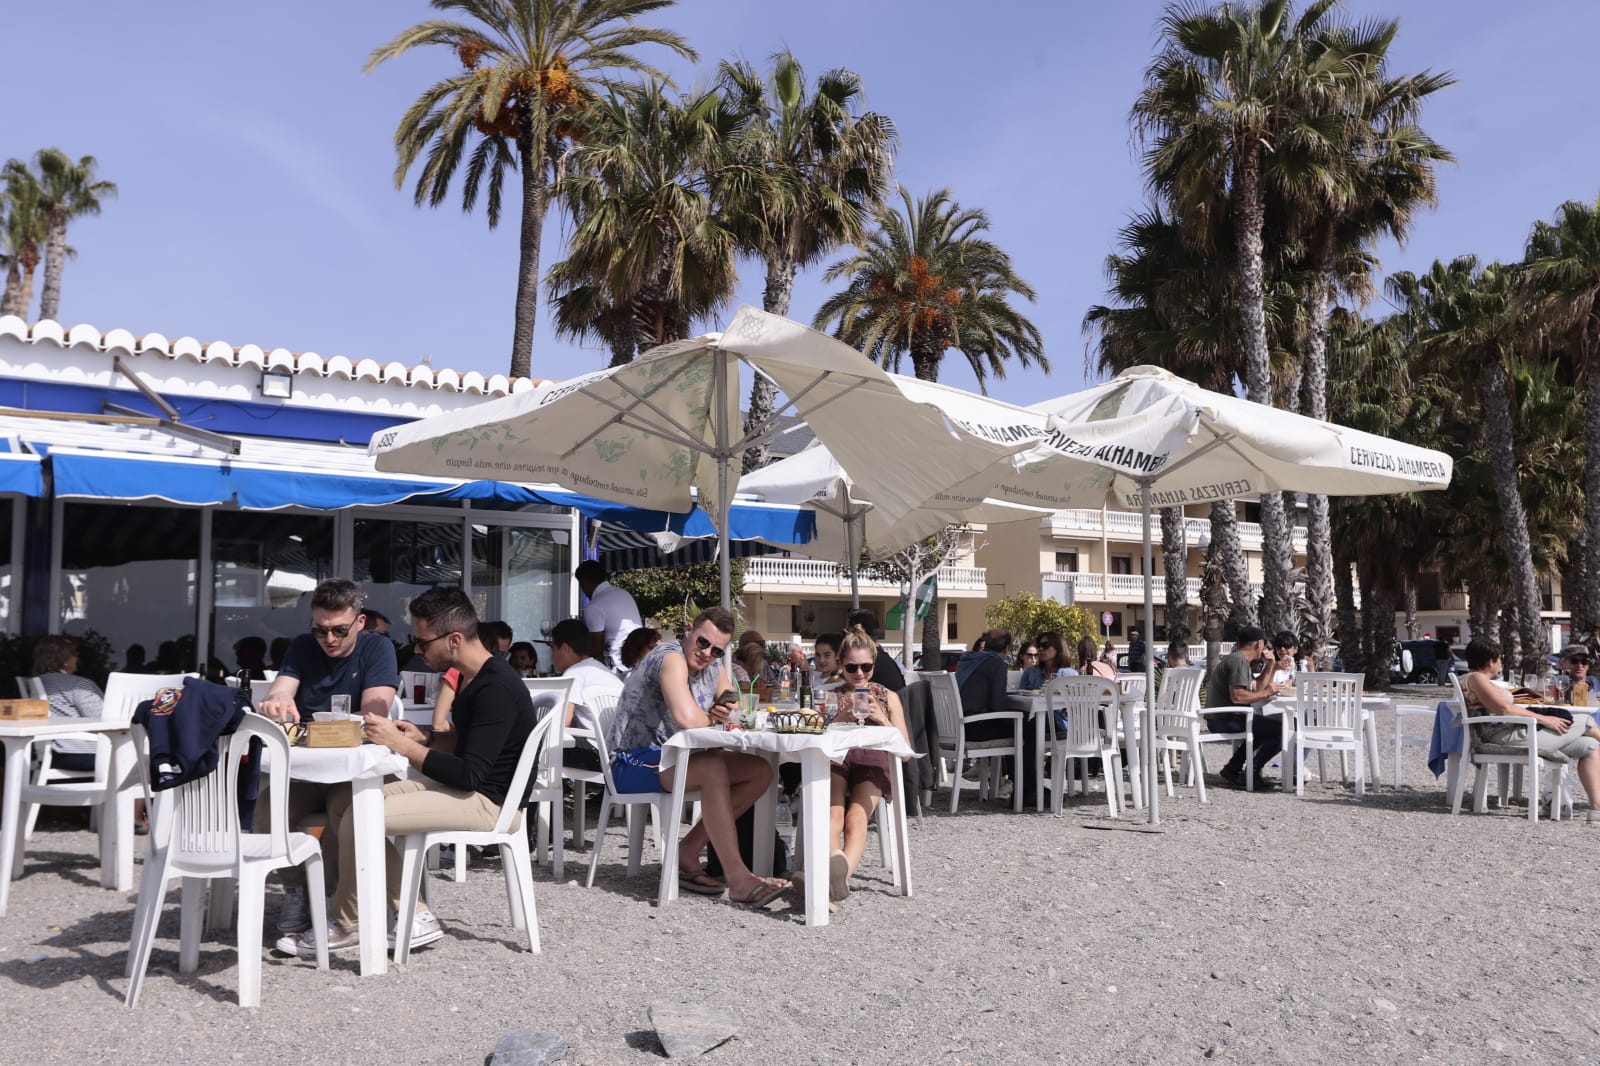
x: 610, y: 616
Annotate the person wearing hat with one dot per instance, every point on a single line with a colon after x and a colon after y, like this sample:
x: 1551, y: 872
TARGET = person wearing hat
x: 1575, y: 669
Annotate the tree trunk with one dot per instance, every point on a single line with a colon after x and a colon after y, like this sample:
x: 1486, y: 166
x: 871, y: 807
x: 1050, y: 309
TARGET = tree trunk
x: 1509, y: 643
x: 1175, y: 557
x: 1319, y: 526
x: 12, y: 303
x: 1230, y: 553
x: 1377, y: 615
x: 534, y: 201
x: 1575, y: 587
x: 1483, y: 605
x: 1214, y: 607
x: 763, y: 393
x: 624, y: 344
x: 1513, y: 519
x: 1349, y: 632
x: 932, y: 633
x: 1589, y: 575
x: 55, y: 258
x: 1408, y: 592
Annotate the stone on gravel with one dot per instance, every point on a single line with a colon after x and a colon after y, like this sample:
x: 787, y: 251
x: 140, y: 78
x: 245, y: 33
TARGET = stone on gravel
x: 1382, y: 1004
x: 528, y: 1047
x: 690, y: 1029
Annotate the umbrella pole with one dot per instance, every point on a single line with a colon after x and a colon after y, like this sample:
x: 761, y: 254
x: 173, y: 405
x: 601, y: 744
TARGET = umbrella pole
x: 854, y: 556
x: 724, y: 567
x: 1152, y: 791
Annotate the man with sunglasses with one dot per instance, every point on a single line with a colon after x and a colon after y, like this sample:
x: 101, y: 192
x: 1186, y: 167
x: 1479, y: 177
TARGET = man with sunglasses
x: 1575, y: 668
x: 338, y: 657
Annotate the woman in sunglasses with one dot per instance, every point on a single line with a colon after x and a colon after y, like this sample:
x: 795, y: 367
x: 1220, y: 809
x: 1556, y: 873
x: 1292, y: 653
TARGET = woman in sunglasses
x: 1050, y: 661
x: 681, y: 686
x: 863, y: 779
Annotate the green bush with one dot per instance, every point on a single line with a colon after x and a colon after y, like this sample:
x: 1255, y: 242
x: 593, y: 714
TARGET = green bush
x: 1026, y: 616
x: 673, y: 595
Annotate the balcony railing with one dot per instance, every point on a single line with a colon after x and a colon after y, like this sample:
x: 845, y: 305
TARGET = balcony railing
x: 1125, y: 588
x: 1124, y: 524
x: 771, y: 570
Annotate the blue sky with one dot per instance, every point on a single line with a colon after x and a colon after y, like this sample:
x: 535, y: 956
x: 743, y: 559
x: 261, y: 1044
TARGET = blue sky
x: 256, y: 164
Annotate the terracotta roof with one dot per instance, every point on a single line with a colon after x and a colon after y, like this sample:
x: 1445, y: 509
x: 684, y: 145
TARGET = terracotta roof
x: 420, y: 376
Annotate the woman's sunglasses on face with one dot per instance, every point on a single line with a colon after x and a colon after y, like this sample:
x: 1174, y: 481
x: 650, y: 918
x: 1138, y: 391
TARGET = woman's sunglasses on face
x: 858, y: 668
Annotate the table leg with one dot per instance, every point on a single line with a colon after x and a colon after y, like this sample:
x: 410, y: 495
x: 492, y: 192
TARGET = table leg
x: 372, y: 906
x: 16, y: 749
x: 1130, y: 729
x: 766, y: 812
x: 116, y: 816
x: 815, y: 789
x: 1038, y: 762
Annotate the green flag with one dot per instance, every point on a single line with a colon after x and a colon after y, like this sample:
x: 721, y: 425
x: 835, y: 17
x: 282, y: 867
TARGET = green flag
x: 924, y: 600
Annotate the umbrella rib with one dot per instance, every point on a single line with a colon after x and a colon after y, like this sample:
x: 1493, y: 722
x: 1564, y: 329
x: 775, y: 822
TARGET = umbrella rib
x: 623, y: 415
x: 768, y: 430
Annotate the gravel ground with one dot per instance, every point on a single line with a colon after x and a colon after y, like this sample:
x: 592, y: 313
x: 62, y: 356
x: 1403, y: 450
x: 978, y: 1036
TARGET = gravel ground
x: 1255, y: 928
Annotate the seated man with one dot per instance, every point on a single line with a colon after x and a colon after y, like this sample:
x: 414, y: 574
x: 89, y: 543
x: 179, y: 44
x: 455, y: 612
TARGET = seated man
x: 1575, y: 669
x: 337, y: 658
x: 569, y: 651
x: 981, y: 676
x: 680, y: 686
x: 463, y: 788
x: 1234, y: 685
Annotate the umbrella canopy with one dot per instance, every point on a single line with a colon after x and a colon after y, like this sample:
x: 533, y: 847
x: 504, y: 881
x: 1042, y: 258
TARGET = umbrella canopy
x: 649, y: 432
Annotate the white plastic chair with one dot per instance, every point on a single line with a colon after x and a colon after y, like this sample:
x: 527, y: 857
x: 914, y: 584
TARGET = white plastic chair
x: 1328, y: 717
x: 1523, y: 757
x: 196, y: 836
x: 579, y: 734
x: 67, y: 788
x: 550, y: 697
x: 1210, y: 735
x: 1086, y: 701
x: 508, y: 834
x: 658, y: 804
x: 1130, y: 693
x: 1177, y: 723
x: 953, y: 742
x: 1404, y: 710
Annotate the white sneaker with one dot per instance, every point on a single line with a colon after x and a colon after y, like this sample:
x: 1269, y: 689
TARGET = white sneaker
x: 305, y: 944
x: 425, y: 929
x: 294, y: 916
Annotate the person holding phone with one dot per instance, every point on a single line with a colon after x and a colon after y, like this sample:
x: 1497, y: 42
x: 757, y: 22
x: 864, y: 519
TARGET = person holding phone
x: 863, y: 779
x: 681, y: 686
x: 1285, y: 653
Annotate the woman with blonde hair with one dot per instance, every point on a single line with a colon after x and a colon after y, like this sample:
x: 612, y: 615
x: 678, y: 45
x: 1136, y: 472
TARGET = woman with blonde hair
x: 864, y: 778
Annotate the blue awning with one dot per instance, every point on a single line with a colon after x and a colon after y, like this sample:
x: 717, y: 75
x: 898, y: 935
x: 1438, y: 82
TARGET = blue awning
x: 20, y: 472
x: 622, y: 549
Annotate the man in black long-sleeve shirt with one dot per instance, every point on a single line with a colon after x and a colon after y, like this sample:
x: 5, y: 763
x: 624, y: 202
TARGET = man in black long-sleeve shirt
x: 981, y: 676
x: 463, y: 788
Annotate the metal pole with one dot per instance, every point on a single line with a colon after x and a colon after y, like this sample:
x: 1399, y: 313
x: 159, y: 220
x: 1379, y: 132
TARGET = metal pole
x: 720, y: 395
x: 1149, y: 632
x: 852, y: 554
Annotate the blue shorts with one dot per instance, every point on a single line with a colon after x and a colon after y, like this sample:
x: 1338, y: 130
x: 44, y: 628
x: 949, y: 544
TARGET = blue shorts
x: 637, y: 770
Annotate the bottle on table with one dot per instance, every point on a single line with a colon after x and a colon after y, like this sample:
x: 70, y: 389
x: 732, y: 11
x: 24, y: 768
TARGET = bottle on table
x: 807, y: 699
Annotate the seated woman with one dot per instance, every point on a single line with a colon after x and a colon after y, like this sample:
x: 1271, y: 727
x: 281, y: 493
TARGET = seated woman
x: 1051, y: 661
x: 680, y: 686
x: 524, y: 659
x: 1578, y: 740
x: 638, y: 645
x: 1091, y: 663
x: 748, y: 663
x: 863, y: 779
x: 55, y: 664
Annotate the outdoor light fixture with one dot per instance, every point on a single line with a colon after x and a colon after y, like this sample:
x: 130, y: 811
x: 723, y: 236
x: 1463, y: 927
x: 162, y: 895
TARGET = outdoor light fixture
x: 277, y: 384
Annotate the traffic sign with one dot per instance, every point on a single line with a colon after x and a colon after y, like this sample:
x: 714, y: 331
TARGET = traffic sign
x: 1105, y: 618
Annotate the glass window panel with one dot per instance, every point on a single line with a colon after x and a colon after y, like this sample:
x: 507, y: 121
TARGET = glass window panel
x: 264, y: 567
x: 397, y: 560
x: 8, y: 622
x: 522, y: 576
x: 128, y: 573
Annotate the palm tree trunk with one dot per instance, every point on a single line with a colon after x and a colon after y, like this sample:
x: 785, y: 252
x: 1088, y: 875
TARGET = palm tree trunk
x: 55, y: 257
x: 535, y: 198
x: 1249, y: 214
x: 1319, y: 525
x: 1509, y: 642
x: 1377, y: 616
x: 1349, y: 631
x: 1225, y: 542
x: 1589, y: 574
x: 1575, y: 587
x: 1513, y: 518
x: 12, y: 303
x: 1483, y: 605
x: 1214, y: 607
x: 1175, y: 557
x: 1408, y: 591
x: 624, y: 343
x: 763, y: 394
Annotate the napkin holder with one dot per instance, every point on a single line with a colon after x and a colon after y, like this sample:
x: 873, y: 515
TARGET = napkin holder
x: 23, y: 710
x: 345, y: 733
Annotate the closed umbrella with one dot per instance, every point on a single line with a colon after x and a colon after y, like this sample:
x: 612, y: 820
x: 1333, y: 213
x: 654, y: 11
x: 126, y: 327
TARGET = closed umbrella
x: 666, y: 426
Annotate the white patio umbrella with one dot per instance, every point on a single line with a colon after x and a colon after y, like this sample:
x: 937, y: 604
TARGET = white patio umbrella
x: 1153, y: 438
x: 649, y: 432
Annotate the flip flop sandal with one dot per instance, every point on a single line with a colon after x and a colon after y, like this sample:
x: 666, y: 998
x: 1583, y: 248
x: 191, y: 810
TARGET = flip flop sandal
x: 700, y: 883
x: 771, y: 888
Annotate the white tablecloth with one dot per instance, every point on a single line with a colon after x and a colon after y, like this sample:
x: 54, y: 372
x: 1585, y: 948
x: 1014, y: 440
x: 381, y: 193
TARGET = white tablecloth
x: 835, y: 742
x: 332, y: 765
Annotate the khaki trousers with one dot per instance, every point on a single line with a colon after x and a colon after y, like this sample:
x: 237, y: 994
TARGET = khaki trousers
x: 306, y: 798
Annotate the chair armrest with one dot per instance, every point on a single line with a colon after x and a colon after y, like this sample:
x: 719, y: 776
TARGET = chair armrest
x: 989, y: 716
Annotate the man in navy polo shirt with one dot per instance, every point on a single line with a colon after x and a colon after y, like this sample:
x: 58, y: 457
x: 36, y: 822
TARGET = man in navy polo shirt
x: 337, y: 658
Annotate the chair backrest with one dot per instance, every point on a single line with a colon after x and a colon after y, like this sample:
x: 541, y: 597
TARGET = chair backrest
x: 1084, y: 702
x: 201, y: 818
x: 946, y: 697
x: 604, y: 715
x: 32, y: 688
x: 1180, y: 690
x: 550, y: 698
x: 1131, y: 685
x: 1327, y: 700
x: 258, y: 692
x: 124, y: 692
x: 539, y: 740
x: 592, y: 706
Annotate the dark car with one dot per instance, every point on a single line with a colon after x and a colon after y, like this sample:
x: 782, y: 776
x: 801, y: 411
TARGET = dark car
x: 947, y: 660
x: 1422, y: 662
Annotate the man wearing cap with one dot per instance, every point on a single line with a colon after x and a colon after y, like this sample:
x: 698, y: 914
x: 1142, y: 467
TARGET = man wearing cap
x: 1575, y: 669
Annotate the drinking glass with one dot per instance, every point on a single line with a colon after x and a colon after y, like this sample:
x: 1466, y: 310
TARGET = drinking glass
x: 861, y: 706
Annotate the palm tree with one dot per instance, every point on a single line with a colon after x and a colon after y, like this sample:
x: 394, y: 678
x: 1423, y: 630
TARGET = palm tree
x: 1231, y: 85
x: 68, y: 190
x: 1563, y: 273
x: 527, y: 66
x: 652, y: 250
x: 829, y: 165
x: 924, y: 282
x: 24, y: 236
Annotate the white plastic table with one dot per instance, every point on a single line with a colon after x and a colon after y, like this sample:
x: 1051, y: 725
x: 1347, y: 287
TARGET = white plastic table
x: 116, y: 809
x: 364, y: 767
x: 1129, y: 710
x: 814, y: 752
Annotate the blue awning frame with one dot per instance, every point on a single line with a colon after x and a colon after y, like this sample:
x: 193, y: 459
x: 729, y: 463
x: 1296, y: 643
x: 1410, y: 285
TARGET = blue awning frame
x: 20, y: 473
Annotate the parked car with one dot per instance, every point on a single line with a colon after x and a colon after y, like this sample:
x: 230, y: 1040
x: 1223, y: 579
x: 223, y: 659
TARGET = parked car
x: 1422, y: 662
x: 947, y: 658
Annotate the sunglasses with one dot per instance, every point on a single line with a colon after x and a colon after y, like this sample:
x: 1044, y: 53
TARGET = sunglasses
x: 422, y: 645
x: 340, y: 632
x: 705, y: 645
x: 1029, y: 655
x: 1579, y: 662
x: 858, y: 668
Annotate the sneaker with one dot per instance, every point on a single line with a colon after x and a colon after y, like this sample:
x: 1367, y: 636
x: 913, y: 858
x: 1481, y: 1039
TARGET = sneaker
x: 425, y: 929
x: 305, y: 945
x: 1231, y: 778
x: 294, y: 915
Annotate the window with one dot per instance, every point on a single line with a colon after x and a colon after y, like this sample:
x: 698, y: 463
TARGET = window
x: 1067, y: 561
x: 522, y: 576
x: 1122, y: 564
x: 397, y: 560
x: 10, y: 613
x: 129, y: 574
x: 264, y: 568
x: 950, y: 632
